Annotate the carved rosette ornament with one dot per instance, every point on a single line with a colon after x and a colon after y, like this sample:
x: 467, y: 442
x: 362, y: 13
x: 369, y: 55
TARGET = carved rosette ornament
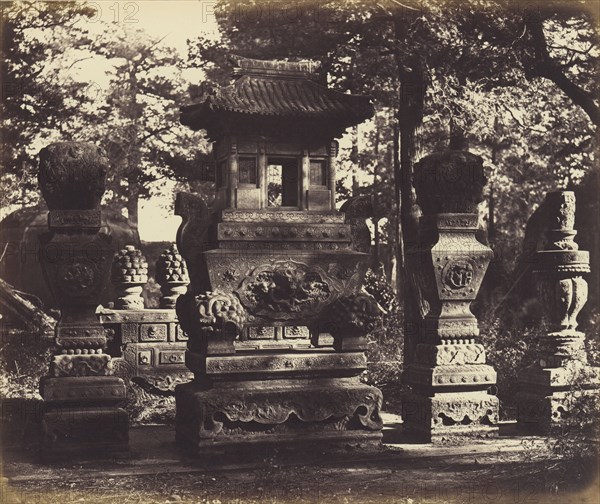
x: 448, y: 377
x: 559, y: 268
x: 75, y: 259
x: 172, y: 276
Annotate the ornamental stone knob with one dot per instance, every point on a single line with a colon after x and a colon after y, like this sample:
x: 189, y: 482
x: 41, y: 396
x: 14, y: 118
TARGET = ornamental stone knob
x: 129, y: 275
x: 172, y: 275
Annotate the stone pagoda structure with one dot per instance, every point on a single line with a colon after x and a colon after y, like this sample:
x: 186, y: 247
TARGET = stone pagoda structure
x: 448, y: 378
x: 275, y: 317
x: 549, y: 389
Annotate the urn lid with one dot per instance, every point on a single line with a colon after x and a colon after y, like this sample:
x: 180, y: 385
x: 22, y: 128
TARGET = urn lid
x: 449, y: 182
x: 72, y: 175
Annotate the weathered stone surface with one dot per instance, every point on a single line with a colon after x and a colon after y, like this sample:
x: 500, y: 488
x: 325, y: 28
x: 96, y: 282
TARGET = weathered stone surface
x: 450, y: 376
x: 449, y: 354
x: 299, y: 364
x: 172, y: 275
x: 81, y: 413
x: 451, y: 415
x: 129, y: 275
x: 562, y: 372
x: 83, y: 389
x: 273, y: 254
x: 94, y: 431
x: 153, y: 346
x: 81, y: 365
x: 448, y: 379
x: 72, y: 175
x: 243, y: 410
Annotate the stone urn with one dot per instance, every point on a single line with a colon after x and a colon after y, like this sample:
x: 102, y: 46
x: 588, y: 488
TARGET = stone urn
x: 72, y: 175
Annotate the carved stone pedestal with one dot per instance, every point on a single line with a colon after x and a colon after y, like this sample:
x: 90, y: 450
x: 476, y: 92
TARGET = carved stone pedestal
x: 152, y: 347
x: 82, y: 417
x: 81, y: 397
x: 550, y: 389
x: 266, y: 398
x: 449, y: 381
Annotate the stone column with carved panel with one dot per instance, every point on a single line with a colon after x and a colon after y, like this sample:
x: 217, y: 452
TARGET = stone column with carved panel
x: 449, y: 380
x: 81, y: 395
x: 549, y: 388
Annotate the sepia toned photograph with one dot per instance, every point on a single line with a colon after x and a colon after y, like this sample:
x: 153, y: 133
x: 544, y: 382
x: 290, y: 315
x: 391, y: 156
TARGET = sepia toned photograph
x: 300, y: 252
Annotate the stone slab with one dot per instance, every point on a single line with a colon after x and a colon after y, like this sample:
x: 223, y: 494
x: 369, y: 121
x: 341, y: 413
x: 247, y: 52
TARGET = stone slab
x: 94, y: 431
x: 307, y: 363
x: 82, y: 389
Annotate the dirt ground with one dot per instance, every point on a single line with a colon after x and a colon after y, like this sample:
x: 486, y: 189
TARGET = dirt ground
x: 504, y: 470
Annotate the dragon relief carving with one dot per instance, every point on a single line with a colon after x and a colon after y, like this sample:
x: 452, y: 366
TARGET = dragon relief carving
x: 216, y: 311
x: 286, y: 290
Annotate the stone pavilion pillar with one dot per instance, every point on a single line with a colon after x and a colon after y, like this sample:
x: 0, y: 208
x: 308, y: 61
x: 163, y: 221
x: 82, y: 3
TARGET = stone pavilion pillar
x: 548, y: 388
x: 81, y: 397
x: 449, y: 380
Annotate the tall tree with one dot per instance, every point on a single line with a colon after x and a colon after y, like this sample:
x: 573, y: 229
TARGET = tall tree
x: 34, y: 100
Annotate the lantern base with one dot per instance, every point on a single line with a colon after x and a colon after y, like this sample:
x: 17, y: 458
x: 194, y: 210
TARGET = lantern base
x: 289, y: 411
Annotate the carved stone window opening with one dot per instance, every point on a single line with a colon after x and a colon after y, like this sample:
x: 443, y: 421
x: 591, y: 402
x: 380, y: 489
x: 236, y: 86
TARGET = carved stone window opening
x: 318, y: 172
x: 247, y: 168
x: 282, y: 183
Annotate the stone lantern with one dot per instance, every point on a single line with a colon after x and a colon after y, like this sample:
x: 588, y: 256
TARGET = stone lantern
x: 268, y: 265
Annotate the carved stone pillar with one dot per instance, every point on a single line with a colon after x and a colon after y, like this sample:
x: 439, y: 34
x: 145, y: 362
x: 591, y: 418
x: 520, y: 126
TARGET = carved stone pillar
x: 547, y: 388
x: 129, y: 275
x: 449, y: 380
x: 81, y: 397
x: 172, y: 276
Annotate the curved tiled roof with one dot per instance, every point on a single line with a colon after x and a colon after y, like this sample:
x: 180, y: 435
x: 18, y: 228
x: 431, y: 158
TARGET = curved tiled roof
x: 279, y: 88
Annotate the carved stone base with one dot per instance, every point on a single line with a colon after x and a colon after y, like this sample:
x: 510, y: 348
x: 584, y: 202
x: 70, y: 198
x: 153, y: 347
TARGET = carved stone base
x: 87, y: 432
x: 81, y: 416
x: 548, y: 397
x: 291, y: 411
x: 448, y: 416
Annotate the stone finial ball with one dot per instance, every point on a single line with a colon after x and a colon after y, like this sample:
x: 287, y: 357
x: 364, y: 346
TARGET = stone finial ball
x: 72, y: 175
x: 449, y: 182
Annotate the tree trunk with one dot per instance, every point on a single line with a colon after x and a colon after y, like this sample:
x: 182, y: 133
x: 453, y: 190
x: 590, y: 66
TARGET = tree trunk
x: 399, y: 249
x: 133, y: 208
